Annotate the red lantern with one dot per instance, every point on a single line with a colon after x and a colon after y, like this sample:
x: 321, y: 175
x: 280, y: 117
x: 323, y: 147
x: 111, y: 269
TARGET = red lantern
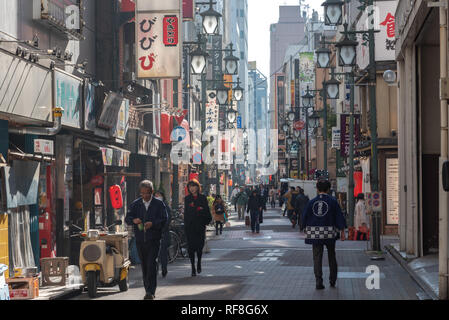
x: 115, y: 192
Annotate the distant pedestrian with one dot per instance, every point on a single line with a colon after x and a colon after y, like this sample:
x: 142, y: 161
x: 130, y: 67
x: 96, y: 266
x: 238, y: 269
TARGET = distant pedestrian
x: 219, y: 213
x: 165, y: 242
x: 300, y: 204
x: 196, y: 217
x: 233, y: 195
x: 255, y: 210
x: 273, y: 198
x: 322, y: 220
x: 242, y: 202
x: 148, y: 216
x: 291, y: 197
x: 360, y: 219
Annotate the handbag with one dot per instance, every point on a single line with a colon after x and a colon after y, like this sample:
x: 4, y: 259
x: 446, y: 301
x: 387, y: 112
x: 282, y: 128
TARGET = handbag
x: 228, y: 224
x: 247, y: 221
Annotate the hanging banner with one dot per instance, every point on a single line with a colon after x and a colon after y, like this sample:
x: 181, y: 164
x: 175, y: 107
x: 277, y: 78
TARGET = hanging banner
x: 335, y: 138
x: 188, y: 10
x: 68, y: 97
x: 158, y: 34
x: 345, y: 133
x: 212, y: 110
x: 392, y: 168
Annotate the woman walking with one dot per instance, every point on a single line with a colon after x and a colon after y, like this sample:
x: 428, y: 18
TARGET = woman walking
x: 255, y: 208
x: 219, y: 213
x: 165, y: 242
x: 196, y: 217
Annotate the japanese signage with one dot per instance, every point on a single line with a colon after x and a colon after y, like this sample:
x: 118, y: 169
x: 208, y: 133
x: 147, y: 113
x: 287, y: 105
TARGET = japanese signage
x: 211, y: 112
x: 335, y: 138
x: 111, y: 109
x: 297, y: 89
x: 188, y: 9
x: 45, y: 147
x: 307, y: 67
x: 224, y: 150
x: 122, y: 120
x: 392, y: 191
x: 89, y: 107
x: 216, y: 57
x: 383, y: 20
x: 345, y: 133
x: 158, y: 31
x: 68, y: 97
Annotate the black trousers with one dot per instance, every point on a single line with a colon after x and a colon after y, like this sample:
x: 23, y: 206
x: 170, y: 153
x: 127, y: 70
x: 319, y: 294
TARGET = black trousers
x: 318, y: 250
x: 148, y: 253
x: 163, y: 252
x: 218, y: 226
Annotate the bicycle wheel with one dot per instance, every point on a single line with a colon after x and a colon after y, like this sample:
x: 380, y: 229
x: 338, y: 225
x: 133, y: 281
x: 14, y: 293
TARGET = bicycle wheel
x: 173, y: 249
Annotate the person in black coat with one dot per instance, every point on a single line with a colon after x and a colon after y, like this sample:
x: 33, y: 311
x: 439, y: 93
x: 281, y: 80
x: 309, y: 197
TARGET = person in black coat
x: 165, y: 243
x: 148, y: 217
x: 196, y: 217
x: 255, y: 207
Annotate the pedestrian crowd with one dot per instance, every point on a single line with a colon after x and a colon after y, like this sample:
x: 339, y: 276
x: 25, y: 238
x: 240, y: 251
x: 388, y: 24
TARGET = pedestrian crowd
x: 321, y: 219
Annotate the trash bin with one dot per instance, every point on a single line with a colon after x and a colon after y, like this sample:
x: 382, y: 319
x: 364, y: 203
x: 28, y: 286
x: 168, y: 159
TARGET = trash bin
x: 4, y: 290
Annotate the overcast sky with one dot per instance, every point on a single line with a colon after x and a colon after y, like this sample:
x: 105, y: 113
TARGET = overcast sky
x: 261, y: 14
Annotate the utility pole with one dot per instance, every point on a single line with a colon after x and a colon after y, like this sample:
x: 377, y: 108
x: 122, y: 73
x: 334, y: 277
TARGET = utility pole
x: 203, y: 173
x: 325, y: 125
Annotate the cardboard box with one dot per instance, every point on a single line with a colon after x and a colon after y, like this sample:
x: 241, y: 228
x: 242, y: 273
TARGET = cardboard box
x: 23, y: 288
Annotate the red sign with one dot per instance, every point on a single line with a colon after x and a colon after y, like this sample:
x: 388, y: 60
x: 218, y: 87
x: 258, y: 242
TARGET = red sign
x: 299, y: 125
x: 390, y: 23
x: 171, y: 31
x: 188, y: 9
x: 97, y: 181
x: 115, y: 192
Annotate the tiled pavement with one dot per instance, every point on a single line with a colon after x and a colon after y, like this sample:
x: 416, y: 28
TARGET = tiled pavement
x: 274, y: 265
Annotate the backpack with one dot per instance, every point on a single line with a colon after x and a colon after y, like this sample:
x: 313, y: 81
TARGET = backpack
x: 219, y: 209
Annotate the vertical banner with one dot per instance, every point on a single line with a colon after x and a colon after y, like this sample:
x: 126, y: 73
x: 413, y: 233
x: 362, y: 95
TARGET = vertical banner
x: 297, y: 90
x: 344, y: 133
x: 188, y: 10
x: 217, y: 57
x: 158, y: 35
x: 212, y: 110
x: 186, y: 78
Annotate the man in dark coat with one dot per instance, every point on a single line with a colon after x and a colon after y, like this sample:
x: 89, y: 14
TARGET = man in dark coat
x: 322, y: 220
x: 148, y: 217
x: 196, y: 217
x: 255, y: 208
x: 301, y: 202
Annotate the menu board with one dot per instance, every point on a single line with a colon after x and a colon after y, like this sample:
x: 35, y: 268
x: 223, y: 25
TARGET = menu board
x: 392, y: 191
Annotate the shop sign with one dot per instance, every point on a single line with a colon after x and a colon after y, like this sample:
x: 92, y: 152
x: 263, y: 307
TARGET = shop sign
x: 158, y: 30
x: 89, y: 107
x: 335, y: 138
x: 345, y: 133
x: 110, y: 113
x: 392, y: 177
x: 212, y: 110
x: 148, y: 145
x: 188, y: 10
x: 68, y: 97
x: 45, y: 147
x: 97, y: 181
x: 122, y: 121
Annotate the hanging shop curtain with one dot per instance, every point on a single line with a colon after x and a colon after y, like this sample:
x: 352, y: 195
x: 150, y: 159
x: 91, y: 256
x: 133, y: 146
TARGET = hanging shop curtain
x: 19, y: 231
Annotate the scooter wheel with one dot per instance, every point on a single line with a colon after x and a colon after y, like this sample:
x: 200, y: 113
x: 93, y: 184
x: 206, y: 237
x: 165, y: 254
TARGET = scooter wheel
x: 92, y: 284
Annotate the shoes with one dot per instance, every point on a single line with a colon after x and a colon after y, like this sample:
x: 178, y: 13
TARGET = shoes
x: 149, y: 297
x: 332, y: 284
x: 193, y: 273
x: 198, y: 269
x: 320, y: 287
x: 257, y: 231
x: 164, y: 273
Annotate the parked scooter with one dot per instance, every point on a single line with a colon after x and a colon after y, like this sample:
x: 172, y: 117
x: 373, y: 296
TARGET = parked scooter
x: 104, y: 259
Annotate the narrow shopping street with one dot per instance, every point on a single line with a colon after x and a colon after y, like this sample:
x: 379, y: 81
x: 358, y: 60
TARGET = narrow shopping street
x: 272, y: 265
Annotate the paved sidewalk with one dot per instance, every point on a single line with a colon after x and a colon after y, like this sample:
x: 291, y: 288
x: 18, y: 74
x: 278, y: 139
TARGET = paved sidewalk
x: 272, y: 265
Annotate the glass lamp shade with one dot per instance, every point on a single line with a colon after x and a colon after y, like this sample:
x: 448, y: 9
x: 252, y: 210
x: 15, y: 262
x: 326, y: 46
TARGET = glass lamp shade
x: 323, y: 58
x: 307, y: 100
x: 297, y: 133
x: 333, y: 12
x: 238, y: 94
x: 211, y: 21
x: 347, y: 52
x: 285, y: 127
x: 314, y: 120
x: 231, y: 65
x: 222, y: 95
x: 333, y: 89
x: 291, y: 116
x: 289, y: 140
x: 198, y: 64
x: 232, y: 115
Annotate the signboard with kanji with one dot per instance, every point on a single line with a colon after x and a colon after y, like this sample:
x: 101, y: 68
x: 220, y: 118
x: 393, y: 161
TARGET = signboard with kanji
x: 212, y: 111
x: 345, y: 133
x: 158, y: 34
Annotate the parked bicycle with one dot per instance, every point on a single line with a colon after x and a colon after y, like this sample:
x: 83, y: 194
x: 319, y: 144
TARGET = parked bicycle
x: 178, y: 240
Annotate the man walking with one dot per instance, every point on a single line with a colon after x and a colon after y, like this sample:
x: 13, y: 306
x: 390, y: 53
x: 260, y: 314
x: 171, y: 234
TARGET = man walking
x: 148, y: 217
x: 241, y: 199
x: 233, y: 196
x: 300, y: 204
x: 322, y: 220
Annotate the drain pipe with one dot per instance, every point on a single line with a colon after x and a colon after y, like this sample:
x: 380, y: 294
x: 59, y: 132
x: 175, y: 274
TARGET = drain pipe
x: 444, y: 196
x: 57, y: 125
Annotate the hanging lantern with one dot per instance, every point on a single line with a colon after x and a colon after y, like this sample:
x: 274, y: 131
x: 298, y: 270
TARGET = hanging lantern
x: 333, y: 12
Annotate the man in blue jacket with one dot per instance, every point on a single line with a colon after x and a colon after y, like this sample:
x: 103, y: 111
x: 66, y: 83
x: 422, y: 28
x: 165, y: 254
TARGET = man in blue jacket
x: 322, y: 220
x: 148, y: 217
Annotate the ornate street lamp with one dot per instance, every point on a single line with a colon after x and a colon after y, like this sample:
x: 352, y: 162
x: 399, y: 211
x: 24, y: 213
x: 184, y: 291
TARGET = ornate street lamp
x: 333, y: 12
x: 323, y: 57
x: 332, y: 87
x: 222, y: 94
x: 211, y: 21
x: 314, y: 120
x: 285, y: 127
x: 291, y: 116
x: 238, y: 91
x: 347, y: 50
x: 297, y: 133
x: 198, y: 64
x: 231, y: 115
x: 307, y: 99
x: 289, y: 140
x: 231, y: 63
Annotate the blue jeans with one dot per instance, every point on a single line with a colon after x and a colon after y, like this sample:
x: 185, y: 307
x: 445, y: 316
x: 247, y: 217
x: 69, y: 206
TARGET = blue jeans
x: 133, y: 254
x: 255, y: 224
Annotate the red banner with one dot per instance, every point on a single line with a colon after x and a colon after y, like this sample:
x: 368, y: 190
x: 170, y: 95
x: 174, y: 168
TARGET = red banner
x: 171, y: 31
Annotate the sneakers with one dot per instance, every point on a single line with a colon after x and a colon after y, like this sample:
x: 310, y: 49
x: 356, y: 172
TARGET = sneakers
x: 149, y: 297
